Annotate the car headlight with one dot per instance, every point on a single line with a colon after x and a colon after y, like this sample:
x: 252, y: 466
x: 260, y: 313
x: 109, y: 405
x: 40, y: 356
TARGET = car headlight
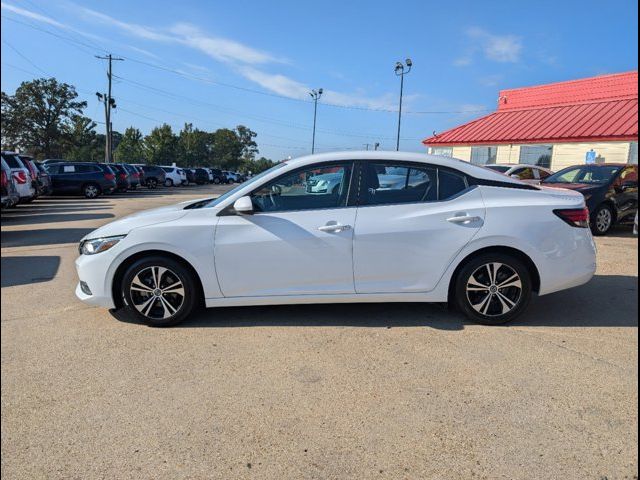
x: 98, y: 245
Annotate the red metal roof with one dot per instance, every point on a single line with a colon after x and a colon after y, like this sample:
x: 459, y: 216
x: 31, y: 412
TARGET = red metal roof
x: 592, y: 109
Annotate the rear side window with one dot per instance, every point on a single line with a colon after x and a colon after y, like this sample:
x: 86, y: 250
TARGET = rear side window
x: 543, y: 174
x: 525, y: 174
x: 450, y: 184
x: 389, y: 183
x: 12, y: 161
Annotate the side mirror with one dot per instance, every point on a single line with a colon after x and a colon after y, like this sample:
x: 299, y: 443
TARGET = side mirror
x: 243, y: 206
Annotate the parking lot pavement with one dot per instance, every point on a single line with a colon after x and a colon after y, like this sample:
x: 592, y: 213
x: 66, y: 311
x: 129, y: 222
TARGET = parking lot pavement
x: 349, y: 391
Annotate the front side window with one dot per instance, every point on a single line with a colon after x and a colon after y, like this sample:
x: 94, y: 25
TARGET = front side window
x: 484, y: 155
x: 311, y: 188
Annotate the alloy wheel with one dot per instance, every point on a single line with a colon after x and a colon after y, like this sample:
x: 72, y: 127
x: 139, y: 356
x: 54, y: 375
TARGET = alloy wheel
x: 494, y: 289
x: 157, y: 292
x: 603, y: 220
x: 91, y: 191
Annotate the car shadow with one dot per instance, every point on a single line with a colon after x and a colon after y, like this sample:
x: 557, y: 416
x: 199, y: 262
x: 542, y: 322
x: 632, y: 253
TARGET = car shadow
x: 54, y: 217
x: 28, y: 270
x: 587, y: 306
x: 45, y: 236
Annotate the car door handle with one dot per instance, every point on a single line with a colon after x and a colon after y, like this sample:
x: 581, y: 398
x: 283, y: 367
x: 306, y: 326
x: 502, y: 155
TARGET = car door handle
x: 463, y: 219
x: 334, y: 228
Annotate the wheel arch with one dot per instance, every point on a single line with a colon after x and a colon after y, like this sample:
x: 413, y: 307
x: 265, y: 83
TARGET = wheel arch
x: 519, y: 254
x: 130, y: 260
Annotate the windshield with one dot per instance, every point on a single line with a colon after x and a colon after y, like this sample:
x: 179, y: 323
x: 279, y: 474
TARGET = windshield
x: 499, y: 168
x: 592, y: 174
x: 216, y: 201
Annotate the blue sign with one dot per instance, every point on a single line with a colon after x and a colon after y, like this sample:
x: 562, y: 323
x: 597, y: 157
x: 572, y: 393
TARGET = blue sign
x: 591, y: 156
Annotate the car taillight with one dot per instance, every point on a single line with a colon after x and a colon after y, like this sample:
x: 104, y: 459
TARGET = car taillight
x: 20, y: 177
x: 123, y: 176
x: 576, y: 217
x: 5, y: 180
x: 109, y: 176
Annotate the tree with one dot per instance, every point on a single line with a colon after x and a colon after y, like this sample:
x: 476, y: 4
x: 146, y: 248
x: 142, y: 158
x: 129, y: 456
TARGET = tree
x: 161, y: 146
x: 36, y: 117
x: 131, y: 146
x: 257, y: 166
x: 227, y: 148
x: 194, y: 146
x: 81, y: 142
x: 249, y: 146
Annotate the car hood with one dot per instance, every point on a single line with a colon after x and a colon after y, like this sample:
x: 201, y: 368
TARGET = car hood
x: 140, y: 219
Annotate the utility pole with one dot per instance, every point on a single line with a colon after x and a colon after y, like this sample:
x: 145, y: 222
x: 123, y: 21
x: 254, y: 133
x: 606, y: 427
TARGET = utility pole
x: 400, y: 72
x: 109, y: 103
x: 376, y: 145
x: 315, y: 94
x: 366, y: 146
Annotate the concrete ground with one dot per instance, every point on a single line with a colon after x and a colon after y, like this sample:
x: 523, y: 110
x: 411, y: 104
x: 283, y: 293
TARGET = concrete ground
x: 320, y: 392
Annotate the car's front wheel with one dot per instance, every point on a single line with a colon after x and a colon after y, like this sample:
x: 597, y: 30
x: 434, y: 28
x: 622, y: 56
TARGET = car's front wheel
x: 159, y: 291
x: 493, y: 288
x: 601, y: 220
x: 152, y: 183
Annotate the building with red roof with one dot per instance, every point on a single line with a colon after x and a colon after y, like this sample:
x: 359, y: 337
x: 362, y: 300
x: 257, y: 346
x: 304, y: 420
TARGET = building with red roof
x: 554, y: 125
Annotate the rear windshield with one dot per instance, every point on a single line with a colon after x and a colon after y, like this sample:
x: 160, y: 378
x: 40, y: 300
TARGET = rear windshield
x: 12, y: 161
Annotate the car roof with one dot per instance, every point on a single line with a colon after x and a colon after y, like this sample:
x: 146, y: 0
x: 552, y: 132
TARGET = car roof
x: 377, y: 155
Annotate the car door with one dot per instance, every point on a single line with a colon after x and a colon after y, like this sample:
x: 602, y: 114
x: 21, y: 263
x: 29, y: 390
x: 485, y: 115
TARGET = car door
x: 409, y: 231
x: 298, y: 241
x: 66, y: 179
x: 626, y: 193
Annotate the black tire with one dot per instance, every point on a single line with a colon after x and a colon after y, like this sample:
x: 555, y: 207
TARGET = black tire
x: 91, y: 190
x: 216, y: 180
x: 149, y: 304
x: 152, y: 183
x: 602, y: 220
x: 168, y: 183
x: 478, y: 294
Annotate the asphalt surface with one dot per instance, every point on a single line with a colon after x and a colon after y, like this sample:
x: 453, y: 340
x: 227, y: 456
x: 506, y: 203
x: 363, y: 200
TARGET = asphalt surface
x: 319, y: 392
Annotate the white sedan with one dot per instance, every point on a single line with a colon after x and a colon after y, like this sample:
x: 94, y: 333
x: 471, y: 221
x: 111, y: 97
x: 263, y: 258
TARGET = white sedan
x: 451, y: 232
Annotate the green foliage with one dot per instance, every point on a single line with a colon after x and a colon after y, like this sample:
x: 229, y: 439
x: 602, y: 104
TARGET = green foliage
x: 38, y: 115
x: 44, y: 117
x: 161, y: 146
x: 131, y: 147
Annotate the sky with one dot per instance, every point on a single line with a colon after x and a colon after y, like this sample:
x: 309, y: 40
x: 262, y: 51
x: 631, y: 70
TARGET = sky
x: 219, y: 64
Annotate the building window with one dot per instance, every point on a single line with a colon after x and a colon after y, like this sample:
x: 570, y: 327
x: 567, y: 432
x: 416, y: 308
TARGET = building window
x: 484, y: 155
x: 536, y: 155
x: 633, y: 153
x: 442, y: 151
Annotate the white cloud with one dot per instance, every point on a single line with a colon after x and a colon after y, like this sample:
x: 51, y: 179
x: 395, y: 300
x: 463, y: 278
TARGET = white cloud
x: 131, y: 28
x: 499, y: 48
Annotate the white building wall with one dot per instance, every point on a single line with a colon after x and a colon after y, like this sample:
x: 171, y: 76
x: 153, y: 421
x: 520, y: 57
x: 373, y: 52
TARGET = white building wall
x: 462, y: 153
x: 567, y: 154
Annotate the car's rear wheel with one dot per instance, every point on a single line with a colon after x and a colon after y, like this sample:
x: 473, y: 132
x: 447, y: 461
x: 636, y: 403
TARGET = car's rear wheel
x: 159, y: 291
x: 91, y: 190
x: 168, y: 182
x: 602, y: 220
x: 493, y: 288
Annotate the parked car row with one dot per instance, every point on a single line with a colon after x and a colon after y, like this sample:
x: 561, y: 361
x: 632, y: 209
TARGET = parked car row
x: 610, y: 189
x: 24, y: 179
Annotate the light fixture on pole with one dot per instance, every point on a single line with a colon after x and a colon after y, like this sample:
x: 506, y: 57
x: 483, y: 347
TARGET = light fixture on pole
x: 315, y: 94
x: 401, y: 70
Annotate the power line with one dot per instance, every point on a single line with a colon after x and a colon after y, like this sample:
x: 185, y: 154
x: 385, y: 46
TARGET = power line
x: 246, y: 89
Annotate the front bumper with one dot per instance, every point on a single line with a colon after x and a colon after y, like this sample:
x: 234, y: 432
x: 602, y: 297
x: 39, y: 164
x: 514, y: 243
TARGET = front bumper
x: 93, y: 270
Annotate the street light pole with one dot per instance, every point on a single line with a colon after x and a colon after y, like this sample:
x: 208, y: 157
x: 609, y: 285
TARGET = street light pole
x: 315, y: 94
x: 401, y: 72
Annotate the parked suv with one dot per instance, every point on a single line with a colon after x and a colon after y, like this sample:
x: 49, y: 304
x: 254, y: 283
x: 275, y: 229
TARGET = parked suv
x: 610, y: 189
x: 10, y: 195
x: 201, y: 176
x: 44, y: 180
x: 174, y: 176
x: 81, y: 178
x: 153, y: 175
x: 22, y: 176
x: 122, y: 177
x: 218, y: 176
